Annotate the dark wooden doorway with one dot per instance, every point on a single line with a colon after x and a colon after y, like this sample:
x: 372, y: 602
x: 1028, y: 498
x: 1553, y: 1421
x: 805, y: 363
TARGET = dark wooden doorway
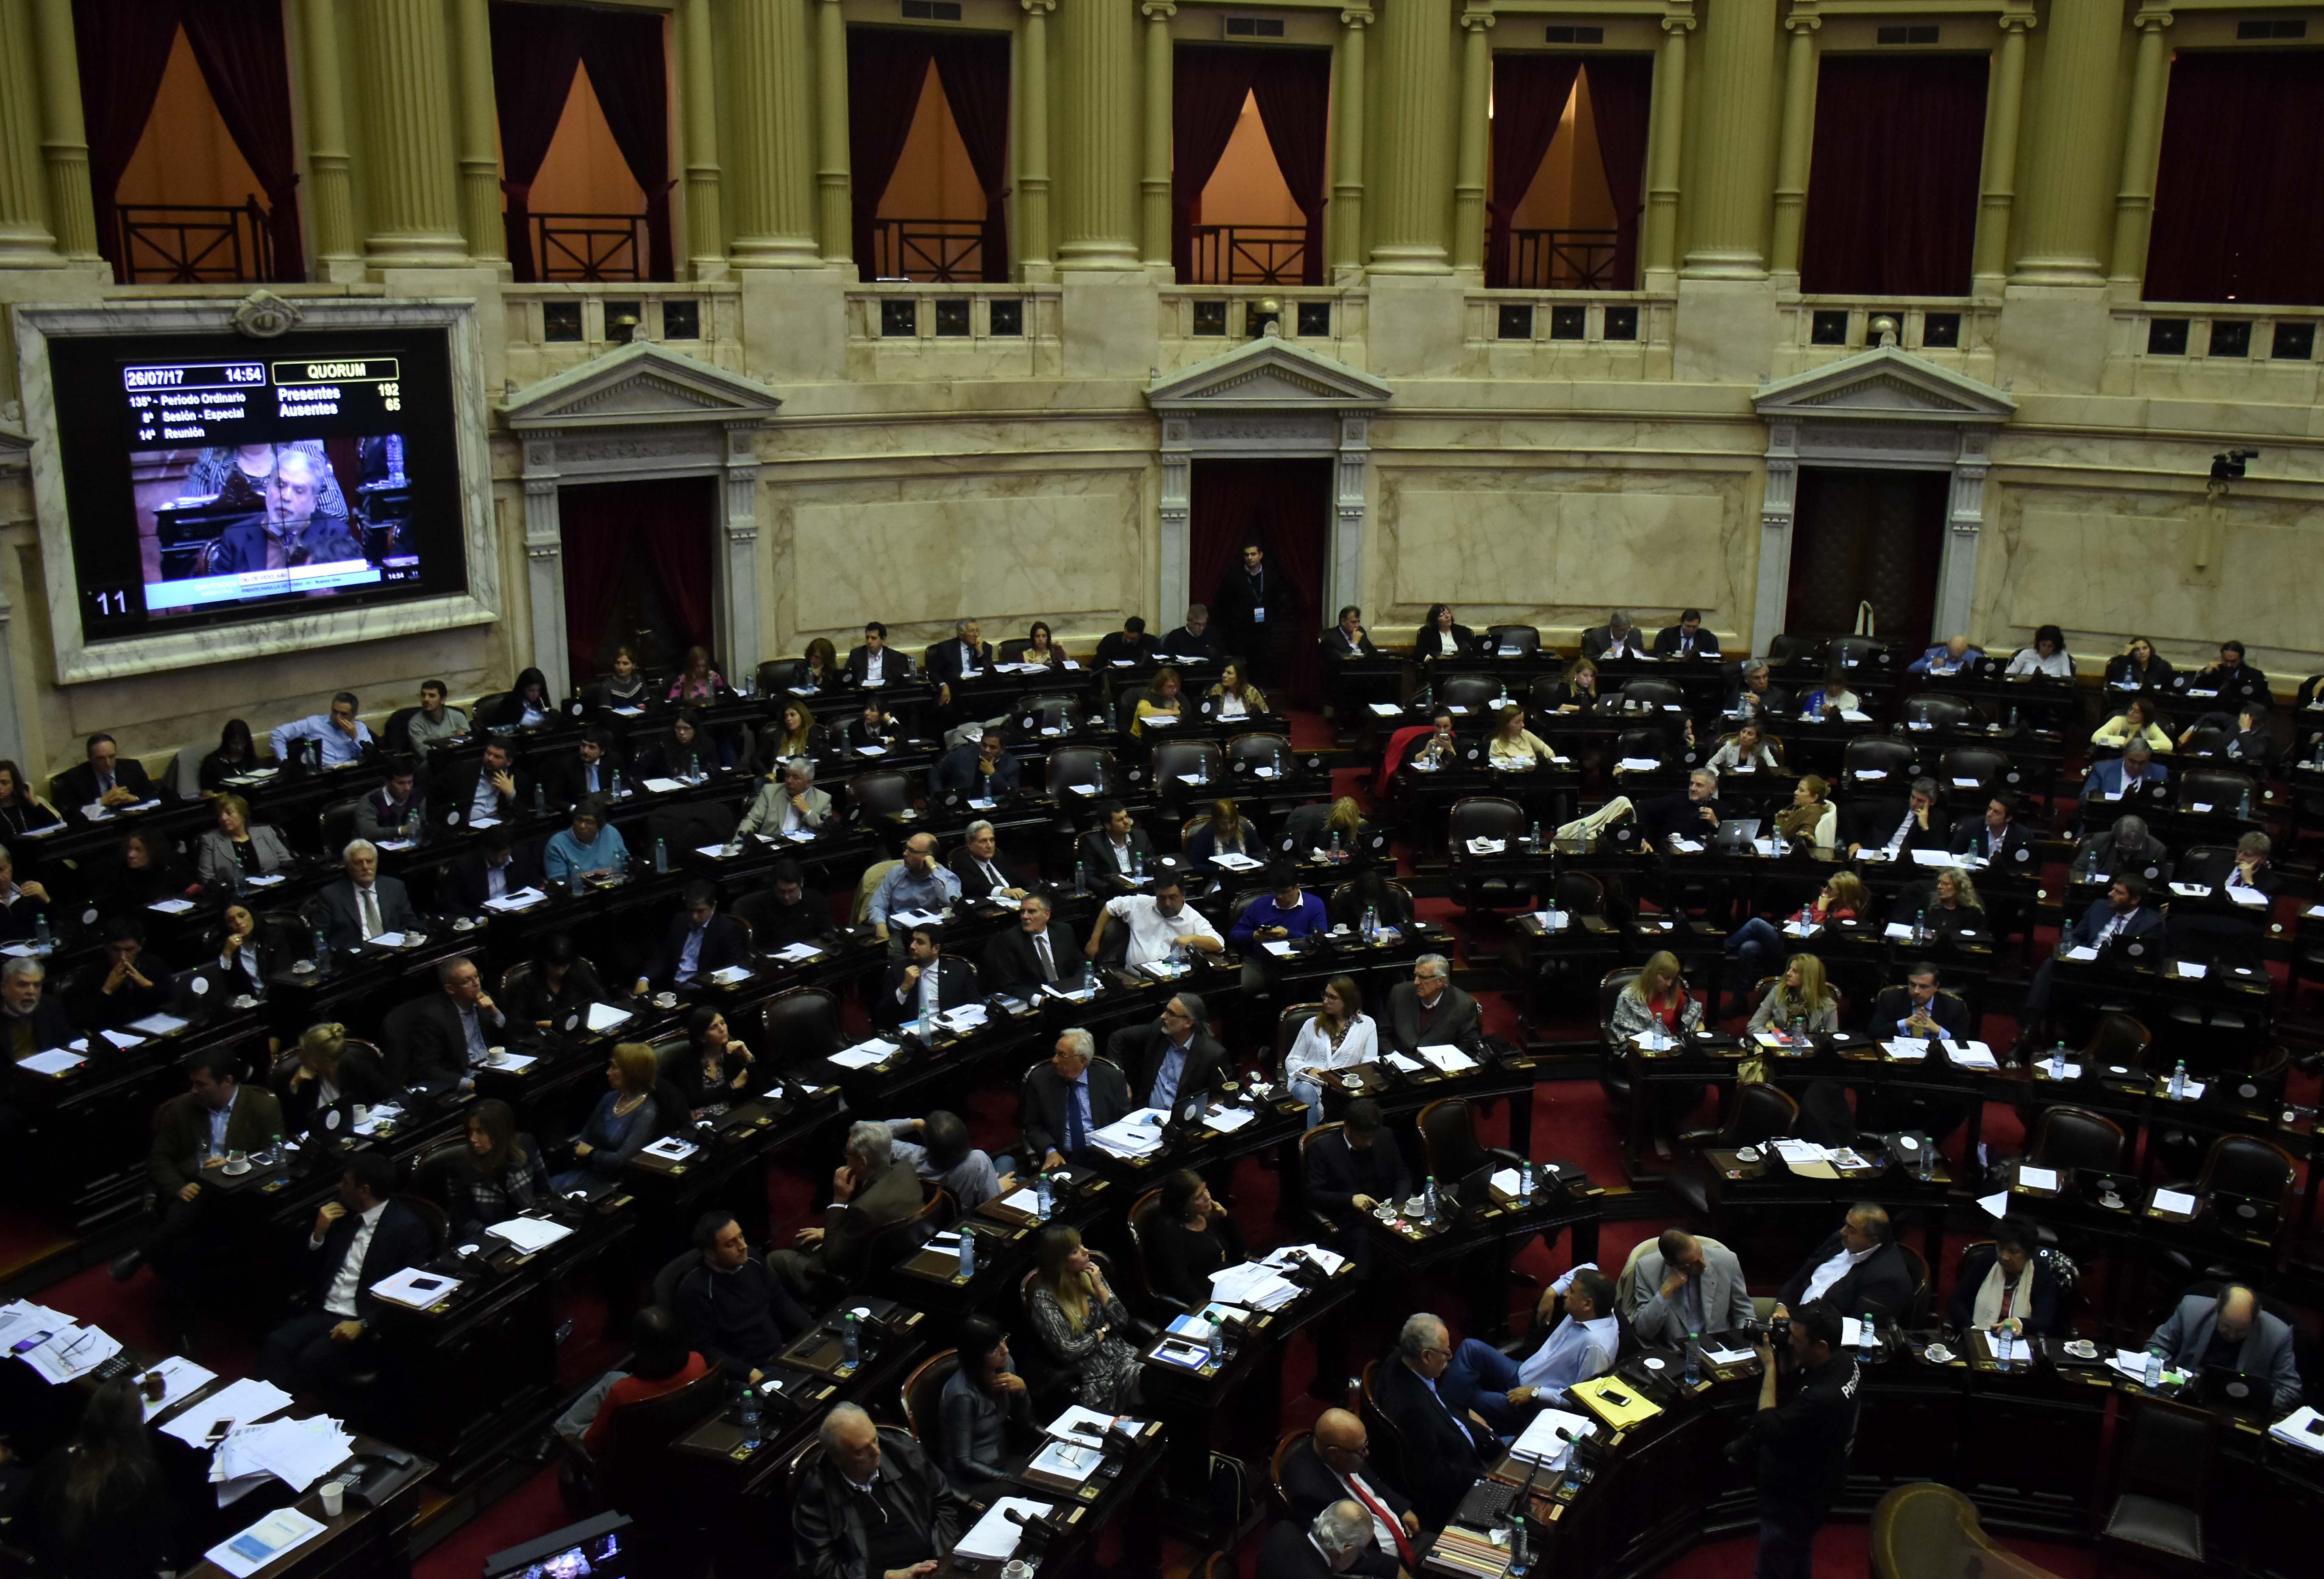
x: 638, y: 572
x: 1867, y: 537
x: 1285, y: 507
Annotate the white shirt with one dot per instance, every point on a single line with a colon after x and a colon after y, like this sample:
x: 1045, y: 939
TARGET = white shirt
x: 340, y: 1298
x: 1447, y: 645
x: 1314, y: 1050
x: 1231, y: 706
x: 1151, y: 933
x: 875, y: 665
x: 1833, y: 1271
x: 1382, y: 1536
x: 1576, y: 1352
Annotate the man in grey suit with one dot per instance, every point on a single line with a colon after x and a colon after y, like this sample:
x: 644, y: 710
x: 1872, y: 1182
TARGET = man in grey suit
x: 874, y: 1189
x: 2233, y: 1332
x: 1687, y: 1284
x: 1429, y: 1010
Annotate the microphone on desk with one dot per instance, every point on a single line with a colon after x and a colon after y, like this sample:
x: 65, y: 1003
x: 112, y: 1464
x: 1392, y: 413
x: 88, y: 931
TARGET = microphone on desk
x: 1036, y: 1530
x: 1578, y: 1444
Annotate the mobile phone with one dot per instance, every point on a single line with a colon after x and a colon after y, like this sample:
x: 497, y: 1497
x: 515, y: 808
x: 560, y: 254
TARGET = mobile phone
x: 218, y: 1429
x: 32, y: 1343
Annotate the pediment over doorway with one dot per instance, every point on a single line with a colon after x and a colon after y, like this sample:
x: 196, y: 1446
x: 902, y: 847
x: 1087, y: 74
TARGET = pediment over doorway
x: 640, y: 385
x: 1268, y: 374
x: 1885, y: 384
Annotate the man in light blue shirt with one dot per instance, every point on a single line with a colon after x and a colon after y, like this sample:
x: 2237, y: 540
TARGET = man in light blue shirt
x: 916, y: 884
x: 1504, y: 1391
x: 342, y: 736
x: 591, y: 847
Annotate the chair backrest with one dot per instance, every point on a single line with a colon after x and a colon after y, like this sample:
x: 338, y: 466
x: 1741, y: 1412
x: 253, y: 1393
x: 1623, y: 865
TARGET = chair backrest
x: 1289, y: 1023
x: 1939, y: 711
x: 2217, y: 789
x: 1784, y: 648
x: 1979, y: 769
x: 1894, y: 760
x: 2169, y: 1452
x: 429, y: 1176
x: 1485, y: 816
x: 637, y: 1472
x: 866, y: 886
x: 1609, y: 988
x: 2075, y: 1137
x: 1525, y: 639
x: 1762, y: 1113
x: 336, y: 822
x: 1387, y: 1444
x: 1914, y: 1307
x: 1083, y: 764
x: 1034, y: 713
x: 1866, y: 656
x: 1259, y: 748
x: 2245, y: 1165
x: 1176, y: 760
x: 1467, y: 690
x: 1581, y: 893
x: 777, y: 675
x: 1652, y: 745
x: 1546, y: 694
x: 1448, y: 1138
x: 2207, y: 864
x: 1284, y: 1449
x: 803, y: 1024
x: 1655, y: 694
x: 922, y: 1393
x: 883, y: 793
x: 2116, y: 1039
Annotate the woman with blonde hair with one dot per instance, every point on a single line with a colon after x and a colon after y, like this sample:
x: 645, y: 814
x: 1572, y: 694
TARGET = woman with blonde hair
x: 1747, y: 750
x: 1076, y: 1315
x: 1163, y: 702
x: 1957, y: 909
x: 1656, y: 1000
x: 1234, y: 697
x: 1803, y: 995
x: 1578, y: 693
x: 1225, y: 832
x: 331, y: 1069
x: 1516, y: 746
x: 626, y: 1118
x: 1758, y: 945
x: 1810, y: 815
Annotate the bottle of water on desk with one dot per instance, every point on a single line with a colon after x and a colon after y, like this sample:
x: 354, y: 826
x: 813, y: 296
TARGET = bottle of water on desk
x: 1335, y: 844
x: 925, y: 1027
x: 322, y: 955
x: 2179, y: 1081
x: 1081, y: 877
x: 1044, y: 1196
x: 662, y: 855
x: 1372, y: 923
x: 1920, y: 925
x: 43, y: 940
x: 1533, y: 839
x: 617, y: 784
x: 540, y: 798
x: 1138, y: 865
x: 2057, y: 1060
x: 967, y: 1255
x: 1867, y: 1343
x: 1693, y: 1356
x: 1520, y: 1545
x: 1430, y: 1203
x: 1799, y: 1030
x: 2153, y: 1369
x: 851, y: 1344
x: 1525, y: 1183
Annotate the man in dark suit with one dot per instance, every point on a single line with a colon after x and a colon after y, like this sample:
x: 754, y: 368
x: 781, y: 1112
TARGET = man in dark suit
x: 874, y: 1189
x: 1172, y: 1058
x: 1069, y: 1099
x: 1856, y: 1270
x: 966, y: 656
x: 1429, y: 1010
x: 2122, y: 915
x: 2232, y: 677
x: 107, y: 779
x: 979, y: 866
x: 192, y: 1133
x: 2230, y: 1331
x: 445, y: 1033
x: 1113, y: 851
x: 1757, y: 696
x: 1337, y: 1541
x: 1257, y: 611
x: 875, y: 662
x: 1334, y: 1465
x: 1693, y: 815
x: 1352, y: 1168
x: 395, y: 807
x: 1619, y: 637
x: 909, y: 1516
x: 1687, y: 639
x: 1899, y: 827
x: 499, y: 867
x: 33, y: 1021
x: 586, y: 770
x: 1443, y: 1451
x: 1349, y: 638
x: 1194, y: 641
x: 785, y: 912
x: 2107, y: 782
x: 923, y: 978
x: 492, y: 789
x: 1129, y: 644
x: 364, y: 904
x: 1917, y: 1009
x: 699, y: 941
x: 1038, y: 951
x: 1996, y: 838
x: 359, y: 1239
x: 983, y: 770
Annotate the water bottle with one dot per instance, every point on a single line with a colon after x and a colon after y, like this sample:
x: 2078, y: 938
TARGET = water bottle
x: 1533, y: 838
x: 2012, y: 715
x: 1799, y: 1030
x: 1920, y: 925
x: 274, y: 1152
x: 1138, y: 865
x: 1430, y: 1201
x: 617, y: 784
x: 694, y: 767
x: 2243, y: 803
x: 2153, y: 1369
x: 747, y: 1412
x: 2058, y: 1061
x: 1044, y: 1196
x: 411, y: 825
x: 322, y: 955
x: 43, y: 940
x: 1525, y: 1183
x: 1372, y: 923
x: 1335, y: 844
x: 2001, y: 1351
x: 1693, y: 1356
x: 926, y: 1029
x: 2179, y: 1081
x: 851, y: 1345
x: 1866, y: 1344
x: 967, y: 1255
x: 1088, y: 977
x: 662, y: 855
x: 1081, y: 878
x: 540, y: 798
x: 1521, y: 1552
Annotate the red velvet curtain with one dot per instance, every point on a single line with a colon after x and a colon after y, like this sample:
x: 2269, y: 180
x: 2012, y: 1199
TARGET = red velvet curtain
x: 886, y: 72
x: 241, y: 51
x: 124, y: 47
x: 2239, y: 195
x: 1892, y: 187
x: 616, y: 531
x: 1529, y: 95
x: 1294, y: 91
x: 535, y: 49
x: 973, y: 68
x: 622, y: 51
x: 1285, y: 507
x: 1621, y: 101
x: 1208, y: 85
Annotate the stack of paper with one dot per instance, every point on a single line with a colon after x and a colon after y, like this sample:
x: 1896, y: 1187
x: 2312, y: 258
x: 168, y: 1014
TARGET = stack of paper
x: 530, y: 1234
x: 180, y: 1379
x: 1727, y: 1356
x: 1067, y: 1461
x: 1329, y: 1261
x: 1971, y: 1055
x: 123, y: 1039
x: 1234, y: 862
x: 523, y: 899
x: 2030, y: 1178
x: 245, y: 1554
x: 414, y: 1288
x: 2179, y: 1201
x: 1638, y: 764
x: 2132, y: 1363
x: 53, y: 1061
x: 160, y: 1024
x: 1136, y: 1134
x: 731, y: 974
x: 385, y: 1112
x: 1551, y: 920
x: 866, y: 1054
x: 994, y: 1538
x: 604, y: 1017
x: 237, y: 1401
x: 298, y: 1452
x: 962, y: 1019
x: 1449, y: 1059
x: 1906, y: 1051
x: 1254, y: 1285
x: 2304, y: 1427
x: 671, y: 1148
x: 1540, y: 1443
x: 1227, y: 1121
x: 1408, y: 1065
x: 71, y: 1351
x: 1481, y: 846
x: 1506, y: 1180
x: 1078, y: 1424
x: 662, y: 786
x: 1797, y: 1153
x: 798, y: 952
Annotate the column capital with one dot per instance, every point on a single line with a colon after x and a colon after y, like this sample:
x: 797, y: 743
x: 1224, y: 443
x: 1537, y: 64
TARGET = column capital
x: 1478, y: 21
x: 1158, y: 10
x: 1678, y: 16
x: 2017, y: 17
x: 2152, y: 16
x: 1039, y: 8
x: 1356, y: 16
x: 1802, y: 17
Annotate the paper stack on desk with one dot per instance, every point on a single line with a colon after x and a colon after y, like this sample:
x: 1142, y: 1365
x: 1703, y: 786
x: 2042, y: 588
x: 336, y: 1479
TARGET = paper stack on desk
x: 71, y: 1351
x: 53, y: 1061
x: 530, y: 1234
x: 1135, y: 1134
x: 246, y: 1399
x: 1078, y: 1424
x: 1067, y: 1461
x: 1971, y: 1055
x: 1228, y: 1119
x: 864, y: 1055
x: 1904, y: 1051
x: 1408, y: 1065
x: 1449, y: 1059
x: 994, y: 1538
x: 1539, y: 1443
x: 298, y: 1452
x: 2304, y: 1427
x: 604, y: 1017
x: 384, y: 1113
x: 1805, y: 1157
x: 523, y: 899
x: 180, y: 1379
x: 414, y: 1289
x: 671, y: 1148
x: 962, y: 1019
x: 265, y: 1541
x: 1254, y: 1285
x: 798, y: 952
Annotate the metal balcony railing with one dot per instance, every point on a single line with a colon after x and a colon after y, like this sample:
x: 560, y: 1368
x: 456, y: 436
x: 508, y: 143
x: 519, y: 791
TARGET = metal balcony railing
x: 589, y: 246
x: 187, y: 243
x: 1562, y: 260
x: 1249, y: 254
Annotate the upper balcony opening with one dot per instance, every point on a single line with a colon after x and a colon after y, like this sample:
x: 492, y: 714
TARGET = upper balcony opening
x: 2239, y: 188
x: 1569, y: 164
x: 1892, y: 180
x: 928, y: 131
x: 583, y: 105
x: 1249, y: 138
x: 192, y: 168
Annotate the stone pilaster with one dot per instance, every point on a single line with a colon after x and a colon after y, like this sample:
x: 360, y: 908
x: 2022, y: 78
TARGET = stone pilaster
x: 706, y: 225
x: 1153, y: 183
x: 331, y: 201
x: 480, y: 147
x: 1476, y: 130
x: 2066, y: 187
x: 1732, y: 178
x: 774, y: 186
x: 1415, y: 58
x: 1666, y: 137
x: 1798, y: 150
x: 64, y: 142
x: 834, y: 205
x: 1997, y: 188
x: 1347, y: 218
x: 1101, y: 86
x: 411, y: 182
x: 1032, y: 214
x: 2142, y: 147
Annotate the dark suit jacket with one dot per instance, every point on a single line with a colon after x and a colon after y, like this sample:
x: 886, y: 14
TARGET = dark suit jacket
x: 564, y: 776
x: 1139, y: 1049
x: 2039, y: 1307
x: 1871, y: 822
x: 1597, y: 639
x: 1117, y: 645
x: 431, y: 1046
x: 1183, y: 642
x: 1675, y: 813
x: 955, y: 985
x: 1232, y: 608
x: 1310, y: 1486
x: 1106, y: 878
x: 1337, y: 645
x: 378, y: 818
x: 181, y: 1133
x: 470, y: 886
x: 50, y: 1027
x: 1444, y: 1455
x: 1043, y: 1098
x: 722, y: 945
x: 1776, y: 701
x: 1290, y: 1554
x: 342, y: 922
x: 1668, y: 641
x: 1337, y: 1173
x: 848, y: 1226
x: 1426, y: 646
x: 1883, y: 1281
x: 774, y: 924
x: 945, y: 660
x: 895, y: 666
x: 2088, y: 926
x: 827, y: 1515
x: 1455, y: 1021
x: 403, y: 1239
x: 359, y: 1079
x: 956, y: 769
x: 1972, y: 837
x: 1895, y: 1003
x: 76, y: 787
x: 1011, y: 965
x: 460, y: 796
x: 974, y: 884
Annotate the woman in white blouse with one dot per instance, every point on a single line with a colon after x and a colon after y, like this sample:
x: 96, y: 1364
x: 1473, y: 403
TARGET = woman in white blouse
x: 1235, y: 697
x: 1516, y: 746
x: 2047, y: 656
x: 1340, y: 1037
x: 1746, y: 750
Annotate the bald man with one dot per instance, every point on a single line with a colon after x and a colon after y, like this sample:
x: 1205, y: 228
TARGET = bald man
x: 2230, y: 1331
x: 914, y: 883
x: 1858, y: 1269
x: 1334, y: 1465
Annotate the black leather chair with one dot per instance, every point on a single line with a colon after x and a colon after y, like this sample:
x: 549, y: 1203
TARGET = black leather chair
x: 1388, y: 1444
x: 2074, y: 1136
x: 922, y: 1396
x: 1083, y: 764
x: 1449, y: 1148
x: 1476, y: 692
x: 2161, y: 1487
x: 1649, y: 744
x: 1759, y: 1113
x: 881, y: 793
x: 2217, y: 789
x: 2117, y: 1040
x: 1868, y: 759
x: 804, y: 1023
x: 1176, y: 760
x: 1035, y: 714
x: 1652, y: 695
x: 1940, y: 713
x: 1787, y: 649
x: 1490, y: 817
x: 1142, y: 1289
x: 1866, y: 656
x: 1519, y: 639
x: 778, y: 675
x: 1968, y: 774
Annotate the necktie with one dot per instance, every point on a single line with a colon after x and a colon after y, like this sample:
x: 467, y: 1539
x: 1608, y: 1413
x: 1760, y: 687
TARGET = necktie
x: 1041, y: 949
x: 370, y: 922
x: 1075, y: 1141
x: 1379, y: 1510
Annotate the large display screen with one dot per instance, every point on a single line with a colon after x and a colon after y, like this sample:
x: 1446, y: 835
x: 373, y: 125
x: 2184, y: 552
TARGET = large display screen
x: 212, y: 478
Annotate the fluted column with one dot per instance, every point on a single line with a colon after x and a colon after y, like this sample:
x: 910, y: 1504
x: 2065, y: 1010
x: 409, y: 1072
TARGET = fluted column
x: 1798, y: 150
x: 1154, y: 185
x: 1476, y: 128
x: 26, y: 242
x: 2066, y: 196
x: 480, y: 147
x: 774, y: 186
x: 411, y: 184
x: 1415, y: 55
x: 2142, y: 146
x: 1997, y: 188
x: 330, y: 203
x: 706, y: 225
x: 64, y: 142
x: 1729, y: 229
x: 1348, y: 182
x: 1658, y: 247
x: 835, y: 206
x: 1101, y: 86
x: 1033, y: 139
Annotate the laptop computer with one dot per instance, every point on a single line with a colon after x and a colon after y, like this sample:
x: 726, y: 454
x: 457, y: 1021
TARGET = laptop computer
x: 1735, y: 833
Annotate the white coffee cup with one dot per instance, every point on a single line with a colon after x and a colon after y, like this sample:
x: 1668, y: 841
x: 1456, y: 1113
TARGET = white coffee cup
x: 335, y: 1497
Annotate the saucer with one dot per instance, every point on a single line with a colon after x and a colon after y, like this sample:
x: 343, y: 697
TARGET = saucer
x: 1748, y: 1154
x: 2083, y: 1349
x: 232, y: 1171
x: 1937, y: 1354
